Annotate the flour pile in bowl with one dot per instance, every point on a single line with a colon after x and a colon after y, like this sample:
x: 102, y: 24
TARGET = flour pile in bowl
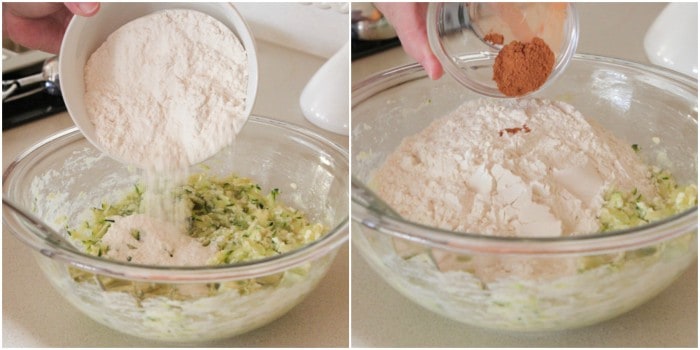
x: 524, y: 168
x: 229, y: 220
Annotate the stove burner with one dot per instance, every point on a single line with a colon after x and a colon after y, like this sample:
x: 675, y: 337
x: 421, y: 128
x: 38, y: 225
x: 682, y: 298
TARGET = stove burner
x: 363, y: 48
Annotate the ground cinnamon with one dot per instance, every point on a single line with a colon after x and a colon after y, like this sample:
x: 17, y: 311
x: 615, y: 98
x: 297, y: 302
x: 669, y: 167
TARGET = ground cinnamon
x: 521, y: 68
x: 513, y: 131
x: 494, y: 38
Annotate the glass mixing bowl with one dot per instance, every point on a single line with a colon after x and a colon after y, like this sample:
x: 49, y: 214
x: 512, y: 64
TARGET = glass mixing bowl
x: 60, y: 178
x: 613, y: 272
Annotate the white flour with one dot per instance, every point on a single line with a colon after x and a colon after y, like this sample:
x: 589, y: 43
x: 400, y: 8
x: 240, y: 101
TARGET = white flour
x: 167, y: 90
x: 142, y: 240
x: 164, y: 92
x: 510, y: 168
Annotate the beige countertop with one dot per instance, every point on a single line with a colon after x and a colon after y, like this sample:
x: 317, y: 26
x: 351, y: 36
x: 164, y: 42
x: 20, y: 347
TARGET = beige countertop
x: 35, y: 315
x: 381, y: 317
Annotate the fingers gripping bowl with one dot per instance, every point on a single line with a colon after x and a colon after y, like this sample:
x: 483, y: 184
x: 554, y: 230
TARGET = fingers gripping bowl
x: 63, y: 176
x: 606, y: 274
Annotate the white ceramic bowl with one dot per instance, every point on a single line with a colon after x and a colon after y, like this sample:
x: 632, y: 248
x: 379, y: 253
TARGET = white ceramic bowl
x: 84, y: 35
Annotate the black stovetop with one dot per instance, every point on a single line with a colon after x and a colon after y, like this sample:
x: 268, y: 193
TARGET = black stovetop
x: 362, y: 48
x: 28, y: 103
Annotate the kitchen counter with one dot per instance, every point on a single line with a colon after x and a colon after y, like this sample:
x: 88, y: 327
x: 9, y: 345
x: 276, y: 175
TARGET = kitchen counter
x: 35, y: 315
x: 381, y: 317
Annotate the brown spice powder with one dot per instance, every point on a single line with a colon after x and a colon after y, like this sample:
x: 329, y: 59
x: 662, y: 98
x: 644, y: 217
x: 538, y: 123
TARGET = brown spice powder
x: 494, y: 38
x: 521, y: 68
x: 513, y: 131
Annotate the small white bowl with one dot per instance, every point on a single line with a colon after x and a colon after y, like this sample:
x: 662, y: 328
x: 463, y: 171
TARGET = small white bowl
x: 324, y: 100
x: 85, y: 34
x: 663, y: 45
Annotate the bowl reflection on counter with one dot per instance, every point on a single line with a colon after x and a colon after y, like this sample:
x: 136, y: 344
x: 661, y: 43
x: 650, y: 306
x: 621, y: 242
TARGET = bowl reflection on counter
x: 534, y: 284
x: 61, y: 177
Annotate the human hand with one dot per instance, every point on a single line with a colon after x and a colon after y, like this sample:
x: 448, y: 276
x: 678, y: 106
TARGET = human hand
x: 408, y: 19
x: 41, y: 26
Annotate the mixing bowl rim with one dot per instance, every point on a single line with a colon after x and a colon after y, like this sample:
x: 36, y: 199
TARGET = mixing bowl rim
x: 385, y: 222
x: 180, y: 274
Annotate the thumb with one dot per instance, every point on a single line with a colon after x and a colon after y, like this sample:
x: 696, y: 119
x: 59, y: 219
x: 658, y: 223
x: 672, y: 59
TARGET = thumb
x: 432, y: 66
x: 85, y: 9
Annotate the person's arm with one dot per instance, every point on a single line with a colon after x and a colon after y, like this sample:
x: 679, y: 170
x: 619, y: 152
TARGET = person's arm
x: 41, y: 26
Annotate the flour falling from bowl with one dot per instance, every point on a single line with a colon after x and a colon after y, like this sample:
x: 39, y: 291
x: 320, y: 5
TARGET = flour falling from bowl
x: 164, y: 92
